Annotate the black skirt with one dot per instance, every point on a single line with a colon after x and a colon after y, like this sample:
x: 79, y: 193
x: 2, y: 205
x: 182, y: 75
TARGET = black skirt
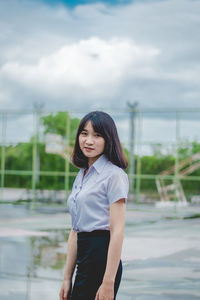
x: 91, y: 264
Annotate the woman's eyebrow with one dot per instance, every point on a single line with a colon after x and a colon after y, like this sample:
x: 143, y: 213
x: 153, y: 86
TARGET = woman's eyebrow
x: 84, y: 129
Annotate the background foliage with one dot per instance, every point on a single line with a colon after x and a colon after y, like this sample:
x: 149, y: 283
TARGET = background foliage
x: 19, y: 157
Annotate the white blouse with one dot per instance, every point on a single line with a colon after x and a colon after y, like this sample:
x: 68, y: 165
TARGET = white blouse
x: 92, y: 194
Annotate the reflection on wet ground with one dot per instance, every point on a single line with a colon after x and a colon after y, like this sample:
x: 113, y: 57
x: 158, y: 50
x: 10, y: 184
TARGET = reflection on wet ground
x: 161, y: 253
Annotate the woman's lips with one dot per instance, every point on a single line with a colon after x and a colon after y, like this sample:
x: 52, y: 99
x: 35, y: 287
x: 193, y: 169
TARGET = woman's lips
x: 88, y: 149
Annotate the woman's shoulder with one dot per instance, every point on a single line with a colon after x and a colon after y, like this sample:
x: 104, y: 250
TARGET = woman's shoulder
x: 113, y: 169
x: 117, y: 183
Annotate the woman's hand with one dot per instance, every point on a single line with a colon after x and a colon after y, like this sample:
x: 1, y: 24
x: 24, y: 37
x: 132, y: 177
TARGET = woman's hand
x: 105, y: 291
x: 65, y: 290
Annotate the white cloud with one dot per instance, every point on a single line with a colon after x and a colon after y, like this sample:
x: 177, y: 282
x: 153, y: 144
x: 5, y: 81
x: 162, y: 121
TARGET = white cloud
x: 93, y: 64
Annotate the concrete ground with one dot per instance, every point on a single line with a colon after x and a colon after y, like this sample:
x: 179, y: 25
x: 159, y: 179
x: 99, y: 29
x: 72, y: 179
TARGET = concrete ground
x: 161, y: 252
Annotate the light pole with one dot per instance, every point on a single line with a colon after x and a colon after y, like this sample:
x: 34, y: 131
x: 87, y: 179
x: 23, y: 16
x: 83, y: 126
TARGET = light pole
x: 133, y: 110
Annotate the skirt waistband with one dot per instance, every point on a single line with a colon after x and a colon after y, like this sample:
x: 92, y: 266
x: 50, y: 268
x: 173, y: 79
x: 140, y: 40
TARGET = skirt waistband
x: 94, y: 233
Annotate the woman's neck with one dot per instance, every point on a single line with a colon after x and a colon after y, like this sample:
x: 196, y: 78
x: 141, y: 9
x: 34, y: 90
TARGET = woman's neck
x: 91, y: 160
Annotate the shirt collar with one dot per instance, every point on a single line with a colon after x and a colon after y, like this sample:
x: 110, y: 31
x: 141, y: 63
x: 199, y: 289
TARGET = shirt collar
x: 100, y: 163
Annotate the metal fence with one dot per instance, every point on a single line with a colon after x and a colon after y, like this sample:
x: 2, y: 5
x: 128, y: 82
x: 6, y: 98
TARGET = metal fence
x: 143, y: 132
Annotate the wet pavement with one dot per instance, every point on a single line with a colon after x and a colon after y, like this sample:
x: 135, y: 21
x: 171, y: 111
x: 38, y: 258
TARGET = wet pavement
x: 161, y: 252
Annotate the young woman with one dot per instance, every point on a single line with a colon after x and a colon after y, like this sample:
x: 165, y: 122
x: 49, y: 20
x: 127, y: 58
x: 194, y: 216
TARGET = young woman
x: 97, y: 207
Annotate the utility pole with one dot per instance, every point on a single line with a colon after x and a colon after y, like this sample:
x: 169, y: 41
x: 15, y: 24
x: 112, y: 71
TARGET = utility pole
x: 133, y: 110
x: 37, y: 108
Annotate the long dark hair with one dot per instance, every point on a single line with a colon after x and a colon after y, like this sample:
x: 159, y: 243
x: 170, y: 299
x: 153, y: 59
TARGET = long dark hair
x: 103, y: 124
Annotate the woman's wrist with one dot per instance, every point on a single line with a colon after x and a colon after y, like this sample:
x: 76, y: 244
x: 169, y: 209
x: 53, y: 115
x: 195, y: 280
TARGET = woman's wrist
x: 108, y: 280
x: 67, y: 278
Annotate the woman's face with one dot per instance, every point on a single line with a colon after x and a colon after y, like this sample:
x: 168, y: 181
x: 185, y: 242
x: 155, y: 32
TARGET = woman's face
x: 91, y: 143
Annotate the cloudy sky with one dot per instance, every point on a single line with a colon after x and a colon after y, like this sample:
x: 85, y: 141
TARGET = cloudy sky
x: 79, y: 54
x: 84, y: 55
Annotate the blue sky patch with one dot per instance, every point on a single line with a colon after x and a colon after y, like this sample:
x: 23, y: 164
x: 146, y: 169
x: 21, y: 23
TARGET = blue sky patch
x: 73, y: 3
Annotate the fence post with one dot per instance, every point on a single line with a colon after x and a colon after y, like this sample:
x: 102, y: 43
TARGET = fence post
x: 176, y: 174
x: 132, y: 108
x: 138, y: 171
x: 34, y: 160
x: 67, y: 156
x: 4, y: 123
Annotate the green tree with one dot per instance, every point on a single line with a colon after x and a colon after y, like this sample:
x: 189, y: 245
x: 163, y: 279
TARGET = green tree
x: 57, y: 123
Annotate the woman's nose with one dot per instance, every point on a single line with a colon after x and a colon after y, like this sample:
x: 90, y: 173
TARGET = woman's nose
x: 89, y: 140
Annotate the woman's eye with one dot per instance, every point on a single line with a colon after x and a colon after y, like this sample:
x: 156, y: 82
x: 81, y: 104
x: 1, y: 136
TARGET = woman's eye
x: 97, y: 134
x: 83, y: 133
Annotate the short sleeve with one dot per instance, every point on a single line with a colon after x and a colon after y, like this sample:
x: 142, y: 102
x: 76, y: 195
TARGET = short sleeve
x: 118, y: 186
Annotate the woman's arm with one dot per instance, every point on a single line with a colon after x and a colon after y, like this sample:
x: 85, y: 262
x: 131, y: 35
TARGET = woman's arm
x: 71, y: 255
x: 117, y: 222
x: 70, y: 265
